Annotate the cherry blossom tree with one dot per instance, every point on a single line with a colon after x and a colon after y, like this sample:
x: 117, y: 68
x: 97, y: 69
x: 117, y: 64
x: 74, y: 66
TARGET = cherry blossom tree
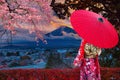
x: 28, y: 14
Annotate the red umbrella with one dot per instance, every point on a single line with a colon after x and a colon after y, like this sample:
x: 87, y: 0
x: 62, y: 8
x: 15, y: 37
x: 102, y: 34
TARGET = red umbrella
x: 94, y: 28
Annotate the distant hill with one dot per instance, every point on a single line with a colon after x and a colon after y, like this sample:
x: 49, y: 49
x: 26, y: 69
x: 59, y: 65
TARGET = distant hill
x: 51, y: 43
x: 17, y: 46
x: 62, y: 33
x: 59, y: 31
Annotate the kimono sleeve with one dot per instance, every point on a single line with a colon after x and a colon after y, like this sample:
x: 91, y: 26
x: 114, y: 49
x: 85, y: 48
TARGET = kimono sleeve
x: 78, y: 60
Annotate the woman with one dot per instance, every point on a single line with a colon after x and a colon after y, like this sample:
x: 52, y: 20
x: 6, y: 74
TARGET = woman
x: 87, y: 60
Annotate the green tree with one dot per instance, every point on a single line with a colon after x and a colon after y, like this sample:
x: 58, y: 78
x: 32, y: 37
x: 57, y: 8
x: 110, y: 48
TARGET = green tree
x: 53, y: 61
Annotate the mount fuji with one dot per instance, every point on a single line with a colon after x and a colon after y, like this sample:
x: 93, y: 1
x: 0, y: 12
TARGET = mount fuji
x: 63, y: 33
x: 62, y: 37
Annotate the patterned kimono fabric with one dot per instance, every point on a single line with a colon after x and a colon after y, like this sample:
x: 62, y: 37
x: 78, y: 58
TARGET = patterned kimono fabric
x: 89, y: 67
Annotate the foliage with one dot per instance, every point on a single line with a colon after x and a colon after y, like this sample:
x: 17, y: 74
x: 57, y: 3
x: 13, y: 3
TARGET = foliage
x: 110, y: 9
x: 13, y: 64
x: 49, y: 62
x: 53, y: 61
x: 69, y: 54
x: 54, y: 74
x: 106, y: 60
x: 109, y: 59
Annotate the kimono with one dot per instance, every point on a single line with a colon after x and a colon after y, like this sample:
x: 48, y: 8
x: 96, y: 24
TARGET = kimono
x: 89, y: 67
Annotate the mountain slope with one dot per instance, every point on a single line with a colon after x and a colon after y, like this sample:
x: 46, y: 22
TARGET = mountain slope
x: 62, y: 33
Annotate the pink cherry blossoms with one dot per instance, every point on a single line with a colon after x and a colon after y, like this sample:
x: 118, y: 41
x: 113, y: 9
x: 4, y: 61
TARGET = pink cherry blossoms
x: 18, y: 13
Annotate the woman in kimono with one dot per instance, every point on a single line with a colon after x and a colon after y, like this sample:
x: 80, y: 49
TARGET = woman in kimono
x: 87, y: 60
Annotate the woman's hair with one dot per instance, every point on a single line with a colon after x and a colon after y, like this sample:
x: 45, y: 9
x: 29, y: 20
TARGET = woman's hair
x: 91, y: 51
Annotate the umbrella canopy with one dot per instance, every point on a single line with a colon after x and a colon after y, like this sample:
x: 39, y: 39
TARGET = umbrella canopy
x: 94, y: 28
